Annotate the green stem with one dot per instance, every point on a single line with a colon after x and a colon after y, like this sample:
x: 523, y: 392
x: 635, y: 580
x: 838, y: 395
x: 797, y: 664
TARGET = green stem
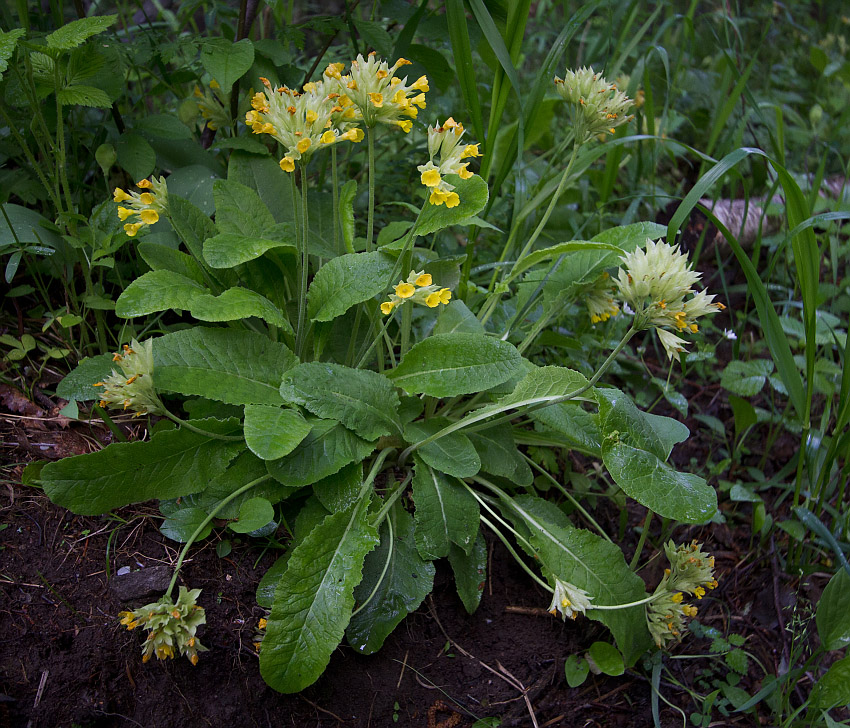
x: 335, y: 183
x: 391, y: 498
x: 107, y: 420
x: 516, y: 556
x: 641, y: 541
x: 370, y: 222
x: 383, y: 571
x: 300, y: 334
x: 375, y: 341
x: 199, y: 530
x: 199, y: 431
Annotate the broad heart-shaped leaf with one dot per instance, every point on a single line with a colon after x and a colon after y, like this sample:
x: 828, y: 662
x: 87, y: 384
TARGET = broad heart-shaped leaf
x: 407, y: 580
x: 262, y: 174
x: 470, y: 571
x: 180, y: 525
x: 239, y: 210
x: 254, y: 513
x: 499, y: 455
x: 161, y: 257
x: 454, y: 455
x: 591, y: 563
x: 629, y: 237
x: 191, y: 224
x: 226, y: 61
x: 135, y: 155
x: 238, y: 303
x: 833, y: 689
x: 473, y: 193
x: 833, y: 616
x: 227, y: 250
x: 79, y: 384
x: 77, y: 32
x: 173, y: 463
x: 346, y: 281
x: 314, y: 599
x: 653, y: 483
x: 746, y: 378
x: 272, y: 432
x: 158, y: 290
x: 445, y: 513
x: 326, y: 450
x: 445, y: 365
x: 364, y: 401
x: 228, y: 365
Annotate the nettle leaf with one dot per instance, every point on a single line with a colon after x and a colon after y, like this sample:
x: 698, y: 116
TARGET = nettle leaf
x: 591, y: 563
x: 226, y: 61
x: 364, y: 401
x: 453, y: 455
x: 445, y: 513
x: 227, y: 250
x: 499, y: 455
x: 8, y: 41
x: 314, y: 599
x: 161, y: 257
x: 81, y: 95
x: 254, y: 513
x: 228, y: 365
x: 158, y: 290
x: 235, y: 304
x: 445, y: 365
x: 473, y: 193
x: 173, y: 463
x: 272, y: 432
x: 746, y: 378
x: 346, y: 281
x: 79, y: 384
x: 832, y: 616
x: 470, y: 572
x: 326, y: 450
x: 239, y: 210
x: 403, y: 581
x: 77, y: 32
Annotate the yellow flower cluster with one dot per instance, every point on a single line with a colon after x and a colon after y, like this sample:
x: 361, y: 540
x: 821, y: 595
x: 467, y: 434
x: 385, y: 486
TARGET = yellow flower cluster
x: 445, y: 141
x: 691, y: 572
x: 418, y: 288
x: 600, y: 303
x: 569, y: 600
x: 301, y: 122
x: 148, y: 205
x: 377, y: 94
x: 214, y: 105
x: 655, y: 282
x: 133, y: 387
x: 598, y: 106
x: 172, y: 626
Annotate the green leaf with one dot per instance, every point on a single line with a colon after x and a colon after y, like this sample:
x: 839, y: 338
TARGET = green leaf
x: 746, y: 378
x: 364, y: 401
x: 445, y: 365
x: 607, y: 658
x: 407, y: 580
x: 456, y: 317
x: 833, y: 689
x: 629, y: 237
x: 607, y: 255
x: 165, y: 126
x: 180, y: 525
x: 228, y: 365
x: 239, y: 210
x: 620, y: 418
x: 346, y: 281
x: 158, y: 290
x: 79, y: 384
x: 225, y: 61
x: 161, y: 257
x: 576, y: 669
x: 268, y: 584
x: 314, y: 598
x: 263, y: 175
x: 81, y: 95
x: 191, y: 224
x: 235, y: 304
x: 832, y: 616
x: 453, y: 455
x: 254, y: 513
x: 77, y: 32
x: 473, y: 193
x: 271, y: 432
x: 499, y: 455
x: 445, y: 513
x: 173, y: 463
x: 227, y: 250
x: 8, y: 41
x: 593, y: 564
x: 325, y: 451
x: 135, y: 155
x: 470, y: 572
x: 338, y: 492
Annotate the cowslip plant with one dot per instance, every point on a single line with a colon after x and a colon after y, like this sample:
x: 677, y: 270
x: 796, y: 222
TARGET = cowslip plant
x: 317, y: 395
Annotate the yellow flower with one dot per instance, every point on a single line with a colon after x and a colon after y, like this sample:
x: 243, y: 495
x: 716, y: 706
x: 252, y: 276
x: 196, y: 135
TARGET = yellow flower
x: 444, y: 142
x: 387, y: 307
x: 119, y: 195
x: 287, y: 164
x: 423, y: 280
x: 427, y: 294
x: 149, y: 217
x: 431, y: 177
x: 677, y: 598
x: 404, y: 290
x: 147, y: 205
x: 377, y: 100
x: 132, y: 229
x: 124, y: 213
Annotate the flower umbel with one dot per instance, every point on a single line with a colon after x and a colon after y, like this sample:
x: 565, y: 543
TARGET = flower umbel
x: 569, y: 600
x: 172, y: 626
x: 655, y: 281
x: 445, y: 141
x: 418, y: 288
x: 597, y: 105
x: 377, y: 94
x: 600, y: 303
x: 147, y: 205
x: 133, y: 388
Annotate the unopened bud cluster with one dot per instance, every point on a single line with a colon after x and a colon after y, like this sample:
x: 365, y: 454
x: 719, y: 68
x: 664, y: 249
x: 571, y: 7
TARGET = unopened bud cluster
x: 569, y: 600
x: 598, y: 106
x: 133, y: 387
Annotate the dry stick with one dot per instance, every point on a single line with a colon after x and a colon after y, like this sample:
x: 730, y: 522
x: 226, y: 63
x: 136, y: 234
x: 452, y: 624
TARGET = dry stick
x: 403, y: 667
x: 502, y: 673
